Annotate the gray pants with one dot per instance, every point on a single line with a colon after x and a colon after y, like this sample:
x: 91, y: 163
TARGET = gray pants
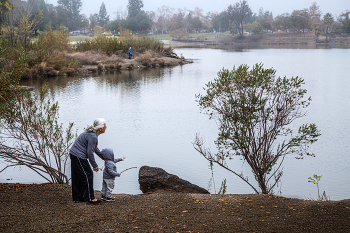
x: 107, y: 187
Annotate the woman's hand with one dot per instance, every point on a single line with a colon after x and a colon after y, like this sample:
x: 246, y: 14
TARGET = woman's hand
x: 95, y: 169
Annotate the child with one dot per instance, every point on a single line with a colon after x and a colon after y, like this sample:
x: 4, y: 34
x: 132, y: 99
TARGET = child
x: 109, y: 174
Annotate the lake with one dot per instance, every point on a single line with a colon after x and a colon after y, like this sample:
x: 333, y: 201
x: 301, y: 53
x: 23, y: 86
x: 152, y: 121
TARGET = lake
x: 152, y: 118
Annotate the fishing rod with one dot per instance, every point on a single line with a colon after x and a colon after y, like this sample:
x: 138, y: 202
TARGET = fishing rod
x: 128, y: 169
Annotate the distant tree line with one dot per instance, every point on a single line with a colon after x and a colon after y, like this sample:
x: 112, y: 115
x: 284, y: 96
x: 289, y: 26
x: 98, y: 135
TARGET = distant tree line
x: 237, y: 18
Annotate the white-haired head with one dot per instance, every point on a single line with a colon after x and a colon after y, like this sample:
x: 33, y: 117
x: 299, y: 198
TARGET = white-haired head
x: 98, y: 124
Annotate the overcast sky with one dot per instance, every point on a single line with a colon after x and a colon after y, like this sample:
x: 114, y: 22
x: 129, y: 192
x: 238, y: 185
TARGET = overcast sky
x: 335, y: 7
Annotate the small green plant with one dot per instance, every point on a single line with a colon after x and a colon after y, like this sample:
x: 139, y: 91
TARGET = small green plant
x: 223, y: 187
x: 315, y: 179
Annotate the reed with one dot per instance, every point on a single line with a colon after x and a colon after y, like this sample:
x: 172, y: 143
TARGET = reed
x: 112, y: 45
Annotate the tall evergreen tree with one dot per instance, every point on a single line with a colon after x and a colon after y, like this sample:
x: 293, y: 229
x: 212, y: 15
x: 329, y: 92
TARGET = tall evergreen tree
x: 103, y: 18
x: 134, y: 8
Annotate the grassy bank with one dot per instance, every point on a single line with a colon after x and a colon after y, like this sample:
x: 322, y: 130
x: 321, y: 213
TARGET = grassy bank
x: 50, y: 54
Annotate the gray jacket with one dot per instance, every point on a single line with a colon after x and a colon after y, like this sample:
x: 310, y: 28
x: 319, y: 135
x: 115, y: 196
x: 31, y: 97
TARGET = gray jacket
x: 85, y: 146
x: 110, y: 170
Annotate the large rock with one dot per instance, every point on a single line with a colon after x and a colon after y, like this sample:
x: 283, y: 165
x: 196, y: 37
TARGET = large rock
x: 154, y: 178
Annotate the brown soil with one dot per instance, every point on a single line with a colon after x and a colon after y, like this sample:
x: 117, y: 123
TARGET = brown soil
x: 49, y: 208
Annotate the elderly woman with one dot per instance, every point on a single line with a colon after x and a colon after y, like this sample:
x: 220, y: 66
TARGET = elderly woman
x: 81, y: 153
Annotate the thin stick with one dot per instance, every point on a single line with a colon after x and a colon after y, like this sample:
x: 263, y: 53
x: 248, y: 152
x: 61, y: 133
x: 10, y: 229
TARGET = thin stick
x: 128, y: 169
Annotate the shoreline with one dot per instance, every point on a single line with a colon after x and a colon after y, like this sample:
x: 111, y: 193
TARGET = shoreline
x: 94, y: 62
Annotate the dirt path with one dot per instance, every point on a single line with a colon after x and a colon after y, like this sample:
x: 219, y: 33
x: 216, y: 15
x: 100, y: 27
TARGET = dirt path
x: 49, y: 208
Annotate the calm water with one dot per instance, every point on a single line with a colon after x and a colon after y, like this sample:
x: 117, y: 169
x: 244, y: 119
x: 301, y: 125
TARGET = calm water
x: 152, y: 118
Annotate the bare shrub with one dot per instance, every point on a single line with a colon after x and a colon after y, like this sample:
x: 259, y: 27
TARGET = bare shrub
x: 146, y: 62
x: 31, y: 136
x: 41, y: 67
x: 118, y: 65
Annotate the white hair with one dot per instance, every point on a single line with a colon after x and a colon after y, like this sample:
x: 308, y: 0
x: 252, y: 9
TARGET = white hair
x: 98, y: 124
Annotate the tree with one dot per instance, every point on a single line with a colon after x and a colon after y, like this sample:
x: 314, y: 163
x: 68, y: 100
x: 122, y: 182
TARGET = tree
x: 177, y: 21
x: 257, y: 28
x: 300, y: 19
x: 93, y: 21
x: 52, y: 14
x: 164, y: 20
x: 40, y: 8
x: 318, y: 29
x: 283, y: 21
x: 253, y: 110
x: 10, y: 75
x: 195, y: 24
x: 72, y: 9
x: 345, y: 21
x: 29, y: 132
x: 84, y: 22
x: 239, y: 13
x: 103, y: 18
x: 5, y: 6
x: 32, y: 137
x: 63, y: 18
x: 327, y: 21
x: 141, y: 22
x: 134, y: 8
x: 218, y: 21
x: 265, y: 19
x: 265, y: 24
x: 18, y: 22
x: 315, y: 13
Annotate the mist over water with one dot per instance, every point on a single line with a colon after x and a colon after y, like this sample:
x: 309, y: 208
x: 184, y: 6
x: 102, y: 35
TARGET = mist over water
x: 152, y: 118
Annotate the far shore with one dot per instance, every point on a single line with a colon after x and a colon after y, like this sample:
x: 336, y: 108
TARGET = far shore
x: 266, y: 40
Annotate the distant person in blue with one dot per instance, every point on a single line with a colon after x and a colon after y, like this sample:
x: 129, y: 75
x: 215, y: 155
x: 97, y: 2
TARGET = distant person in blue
x: 109, y: 174
x: 130, y: 53
x: 82, y: 156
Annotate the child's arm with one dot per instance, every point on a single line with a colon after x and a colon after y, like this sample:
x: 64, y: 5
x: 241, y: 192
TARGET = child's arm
x: 119, y: 159
x: 110, y: 170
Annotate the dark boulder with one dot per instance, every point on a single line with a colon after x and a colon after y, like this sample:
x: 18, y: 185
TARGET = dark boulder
x: 154, y: 178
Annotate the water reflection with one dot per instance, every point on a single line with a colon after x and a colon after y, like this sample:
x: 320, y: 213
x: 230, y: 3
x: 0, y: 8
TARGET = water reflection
x: 112, y: 78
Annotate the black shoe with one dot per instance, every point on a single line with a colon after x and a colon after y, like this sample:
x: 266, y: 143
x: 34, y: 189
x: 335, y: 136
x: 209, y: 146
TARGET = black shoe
x: 78, y: 201
x: 108, y: 199
x: 93, y: 202
x: 103, y: 197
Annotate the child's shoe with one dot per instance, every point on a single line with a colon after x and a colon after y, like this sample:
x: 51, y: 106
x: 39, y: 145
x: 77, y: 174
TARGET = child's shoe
x: 108, y: 199
x: 103, y: 197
